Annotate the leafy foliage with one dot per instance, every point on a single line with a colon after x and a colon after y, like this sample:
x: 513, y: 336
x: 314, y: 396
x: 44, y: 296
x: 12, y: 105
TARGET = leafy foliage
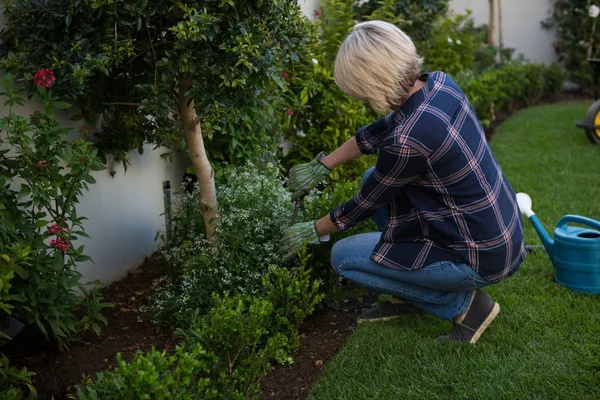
x: 12, y: 380
x: 578, y: 37
x: 512, y: 84
x: 453, y: 44
x: 39, y: 223
x: 224, y: 353
x: 157, y: 375
x: 416, y: 17
x: 254, y: 210
x: 120, y: 63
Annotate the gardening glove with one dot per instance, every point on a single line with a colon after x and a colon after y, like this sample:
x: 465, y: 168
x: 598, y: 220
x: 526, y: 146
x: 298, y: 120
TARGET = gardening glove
x: 297, y: 236
x: 305, y: 177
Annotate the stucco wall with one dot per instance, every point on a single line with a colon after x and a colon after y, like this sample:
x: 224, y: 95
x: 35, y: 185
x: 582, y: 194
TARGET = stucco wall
x: 521, y: 22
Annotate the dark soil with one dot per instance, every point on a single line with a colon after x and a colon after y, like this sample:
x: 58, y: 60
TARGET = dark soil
x: 128, y: 330
x: 321, y: 336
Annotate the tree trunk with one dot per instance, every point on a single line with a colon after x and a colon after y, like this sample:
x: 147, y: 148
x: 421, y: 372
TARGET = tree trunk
x: 500, y: 32
x: 204, y: 171
x: 491, y: 27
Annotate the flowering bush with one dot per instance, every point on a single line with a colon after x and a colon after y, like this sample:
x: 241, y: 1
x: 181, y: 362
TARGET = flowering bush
x: 42, y: 175
x: 255, y: 208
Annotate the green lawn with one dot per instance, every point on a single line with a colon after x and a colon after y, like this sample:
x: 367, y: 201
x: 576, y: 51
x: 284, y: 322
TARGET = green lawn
x: 545, y: 344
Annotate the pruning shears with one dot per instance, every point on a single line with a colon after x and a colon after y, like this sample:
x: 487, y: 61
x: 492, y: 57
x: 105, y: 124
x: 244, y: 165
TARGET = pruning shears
x: 297, y: 205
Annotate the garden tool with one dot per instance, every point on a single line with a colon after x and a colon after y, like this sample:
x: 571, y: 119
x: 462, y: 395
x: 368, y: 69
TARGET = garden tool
x: 574, y: 251
x: 297, y: 205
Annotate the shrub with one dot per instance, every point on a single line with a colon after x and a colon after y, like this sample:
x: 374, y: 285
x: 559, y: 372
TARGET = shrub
x: 42, y: 175
x: 155, y: 375
x: 416, y: 17
x: 316, y: 205
x: 578, y: 38
x: 224, y: 353
x: 12, y: 380
x: 512, y: 84
x: 294, y: 295
x: 452, y: 45
x: 255, y: 209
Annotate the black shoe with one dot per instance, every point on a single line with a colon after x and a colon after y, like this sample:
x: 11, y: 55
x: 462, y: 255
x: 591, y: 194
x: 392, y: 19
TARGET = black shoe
x: 386, y: 311
x: 480, y: 315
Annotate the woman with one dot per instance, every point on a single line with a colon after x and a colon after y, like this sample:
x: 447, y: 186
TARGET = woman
x: 449, y: 220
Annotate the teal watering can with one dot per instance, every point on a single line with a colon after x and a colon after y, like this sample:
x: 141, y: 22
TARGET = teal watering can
x: 574, y: 251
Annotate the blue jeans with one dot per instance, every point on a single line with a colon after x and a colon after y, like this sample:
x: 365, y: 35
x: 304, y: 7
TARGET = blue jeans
x: 443, y: 288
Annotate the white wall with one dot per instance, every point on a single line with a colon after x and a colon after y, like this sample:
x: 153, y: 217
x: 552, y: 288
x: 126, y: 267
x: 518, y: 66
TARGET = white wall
x: 125, y: 214
x: 521, y: 22
x: 309, y: 7
x: 123, y: 211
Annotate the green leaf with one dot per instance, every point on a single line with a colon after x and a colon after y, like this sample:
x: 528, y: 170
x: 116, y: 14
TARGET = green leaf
x: 62, y: 105
x: 25, y: 191
x: 304, y: 96
x: 20, y: 271
x: 59, y: 261
x: 56, y: 328
x: 96, y: 328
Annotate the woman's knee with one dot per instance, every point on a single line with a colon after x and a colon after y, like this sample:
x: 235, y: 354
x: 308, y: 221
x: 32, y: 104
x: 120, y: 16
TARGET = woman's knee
x: 338, y: 252
x: 352, y: 251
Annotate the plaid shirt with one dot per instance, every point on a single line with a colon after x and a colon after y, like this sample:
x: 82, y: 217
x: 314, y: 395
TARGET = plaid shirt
x: 446, y: 197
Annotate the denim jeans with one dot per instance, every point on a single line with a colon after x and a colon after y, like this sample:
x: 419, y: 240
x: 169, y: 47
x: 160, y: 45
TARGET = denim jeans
x: 443, y: 288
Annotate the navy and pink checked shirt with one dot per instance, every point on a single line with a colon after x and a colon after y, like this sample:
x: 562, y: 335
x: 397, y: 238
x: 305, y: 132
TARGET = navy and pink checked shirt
x: 446, y: 197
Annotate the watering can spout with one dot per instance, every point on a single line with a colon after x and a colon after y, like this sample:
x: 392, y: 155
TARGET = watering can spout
x: 524, y: 202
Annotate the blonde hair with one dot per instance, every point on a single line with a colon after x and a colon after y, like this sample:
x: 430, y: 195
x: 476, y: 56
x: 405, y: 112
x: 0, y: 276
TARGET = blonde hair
x: 379, y: 63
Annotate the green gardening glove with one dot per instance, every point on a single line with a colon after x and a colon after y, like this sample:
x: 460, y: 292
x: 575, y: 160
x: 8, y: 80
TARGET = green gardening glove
x: 298, y: 235
x: 305, y: 177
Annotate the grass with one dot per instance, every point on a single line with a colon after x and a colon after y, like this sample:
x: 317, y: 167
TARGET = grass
x: 545, y: 344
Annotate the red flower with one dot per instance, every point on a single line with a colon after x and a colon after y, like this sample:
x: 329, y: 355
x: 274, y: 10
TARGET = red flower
x: 54, y: 229
x: 318, y: 13
x: 44, y: 78
x: 61, y: 244
x: 284, y: 75
x: 290, y: 112
x: 39, y: 163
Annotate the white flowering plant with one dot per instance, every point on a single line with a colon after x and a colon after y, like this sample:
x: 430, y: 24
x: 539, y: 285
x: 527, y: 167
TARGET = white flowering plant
x: 255, y: 207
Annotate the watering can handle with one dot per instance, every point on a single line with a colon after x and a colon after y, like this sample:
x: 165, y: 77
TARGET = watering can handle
x: 578, y: 220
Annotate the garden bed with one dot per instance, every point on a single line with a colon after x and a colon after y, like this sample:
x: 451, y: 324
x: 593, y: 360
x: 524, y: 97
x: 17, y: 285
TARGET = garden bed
x: 130, y: 329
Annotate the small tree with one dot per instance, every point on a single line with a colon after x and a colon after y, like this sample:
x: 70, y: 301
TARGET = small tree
x: 150, y: 70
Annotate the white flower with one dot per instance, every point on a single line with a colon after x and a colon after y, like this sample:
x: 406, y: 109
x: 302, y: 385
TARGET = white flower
x: 301, y: 134
x: 449, y: 39
x: 458, y: 41
x: 315, y: 61
x: 594, y: 11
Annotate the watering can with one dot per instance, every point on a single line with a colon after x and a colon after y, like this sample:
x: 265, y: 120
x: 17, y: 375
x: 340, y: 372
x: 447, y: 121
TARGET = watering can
x: 574, y: 251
